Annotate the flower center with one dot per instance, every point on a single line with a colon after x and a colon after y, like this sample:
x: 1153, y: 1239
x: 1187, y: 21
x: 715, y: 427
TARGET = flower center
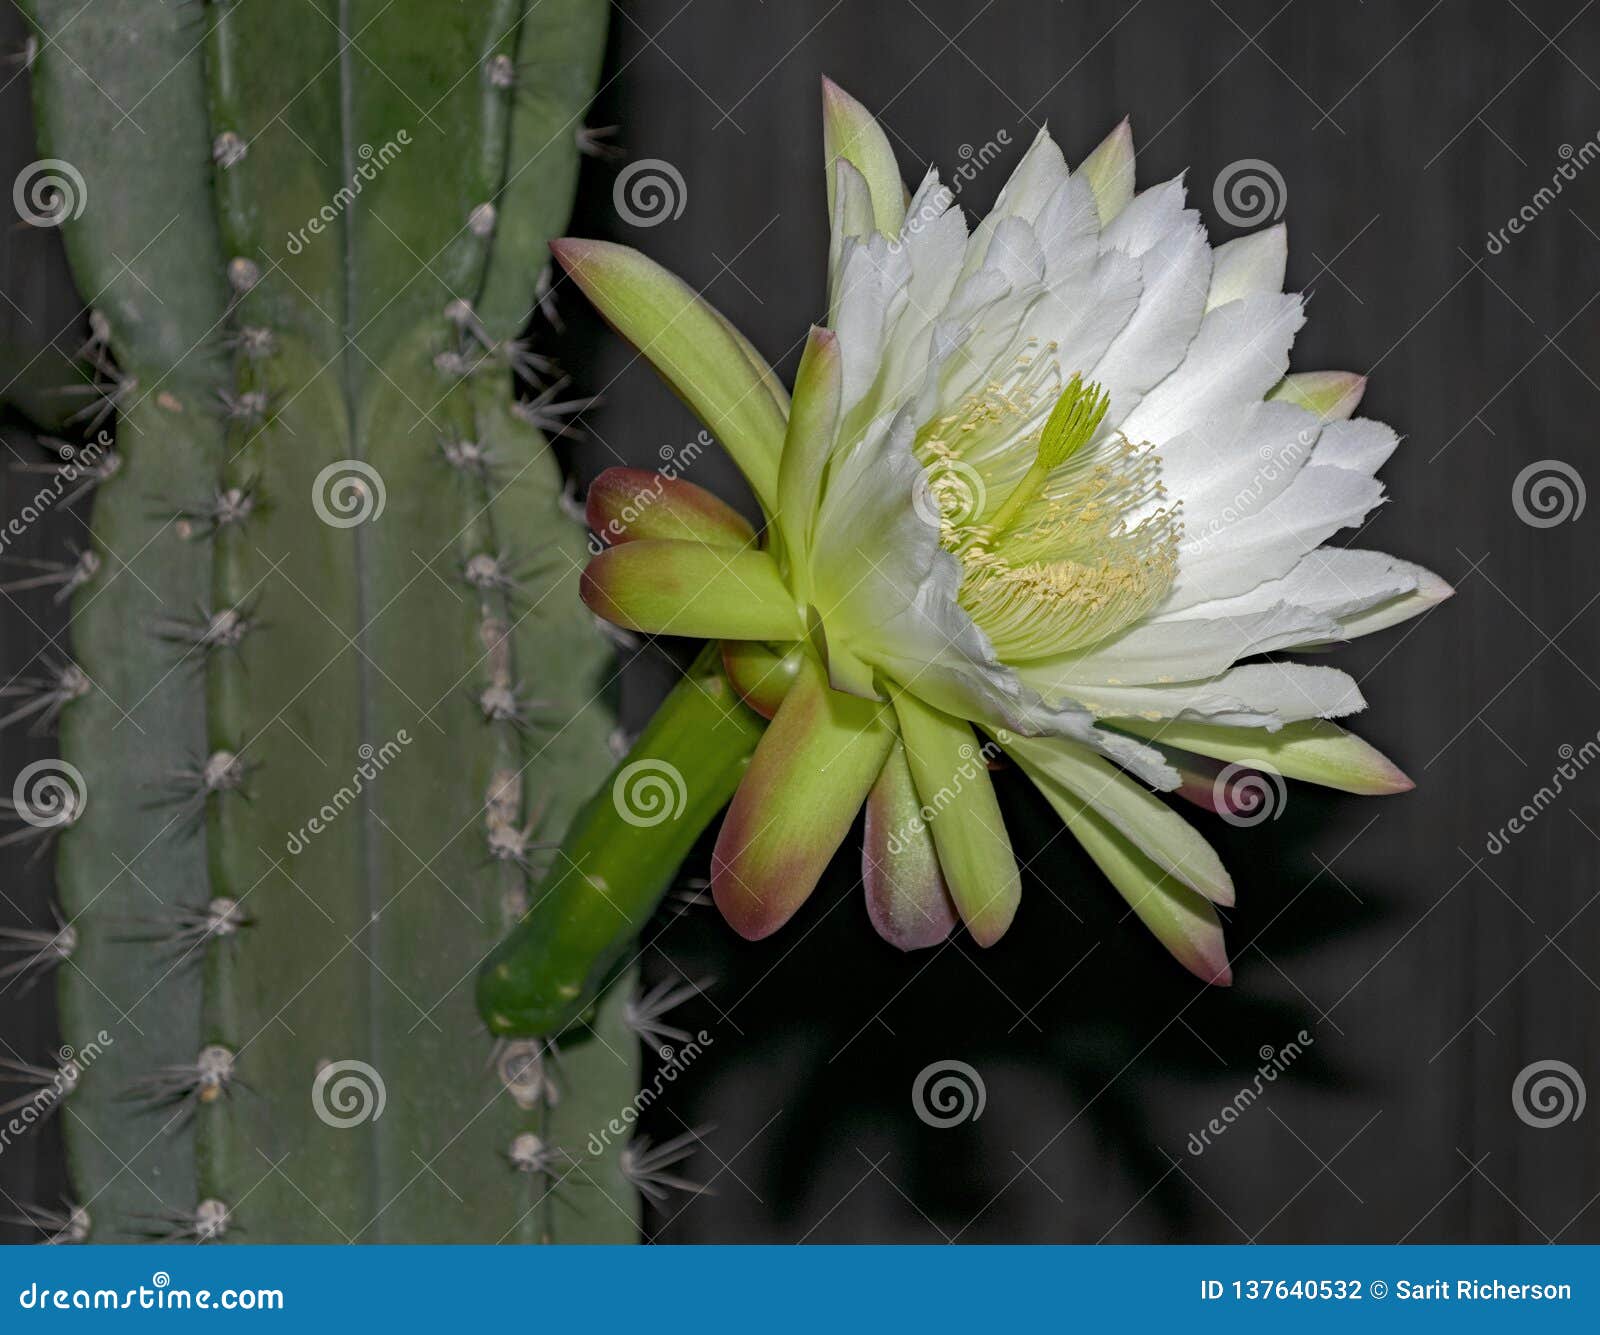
x: 1063, y: 542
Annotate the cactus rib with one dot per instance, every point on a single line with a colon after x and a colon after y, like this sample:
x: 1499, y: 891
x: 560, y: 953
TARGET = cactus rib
x: 347, y: 703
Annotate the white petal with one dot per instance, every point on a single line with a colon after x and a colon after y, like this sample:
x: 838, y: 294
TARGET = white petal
x: 852, y: 217
x: 1257, y: 695
x: 1181, y: 649
x: 1331, y: 581
x: 1429, y: 592
x: 1362, y: 445
x: 1250, y: 266
x: 1229, y: 558
x: 1036, y: 177
x: 1173, y: 279
x: 1221, y: 472
x: 871, y: 297
x: 1240, y: 352
x: 1152, y: 214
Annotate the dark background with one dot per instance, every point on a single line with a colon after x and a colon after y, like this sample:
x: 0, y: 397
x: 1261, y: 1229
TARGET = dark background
x: 1428, y: 971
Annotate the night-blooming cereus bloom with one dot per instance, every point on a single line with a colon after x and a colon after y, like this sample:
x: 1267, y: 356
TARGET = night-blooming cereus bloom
x: 1046, y: 479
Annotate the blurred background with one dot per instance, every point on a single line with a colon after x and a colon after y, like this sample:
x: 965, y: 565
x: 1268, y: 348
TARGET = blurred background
x: 1428, y: 966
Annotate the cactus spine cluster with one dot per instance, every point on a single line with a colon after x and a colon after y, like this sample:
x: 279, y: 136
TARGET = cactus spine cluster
x: 338, y: 682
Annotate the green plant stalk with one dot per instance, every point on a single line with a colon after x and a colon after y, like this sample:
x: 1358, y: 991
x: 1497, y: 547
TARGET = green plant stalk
x: 620, y: 856
x: 371, y: 676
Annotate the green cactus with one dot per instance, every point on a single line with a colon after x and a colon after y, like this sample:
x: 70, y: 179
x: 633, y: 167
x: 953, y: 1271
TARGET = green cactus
x: 341, y: 684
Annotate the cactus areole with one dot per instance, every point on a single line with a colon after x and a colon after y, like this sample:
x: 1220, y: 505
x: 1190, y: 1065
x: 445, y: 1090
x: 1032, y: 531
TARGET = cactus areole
x: 338, y: 687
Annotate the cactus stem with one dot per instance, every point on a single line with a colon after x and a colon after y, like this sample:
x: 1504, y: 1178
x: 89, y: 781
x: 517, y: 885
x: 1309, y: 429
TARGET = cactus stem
x: 481, y: 221
x: 45, y: 697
